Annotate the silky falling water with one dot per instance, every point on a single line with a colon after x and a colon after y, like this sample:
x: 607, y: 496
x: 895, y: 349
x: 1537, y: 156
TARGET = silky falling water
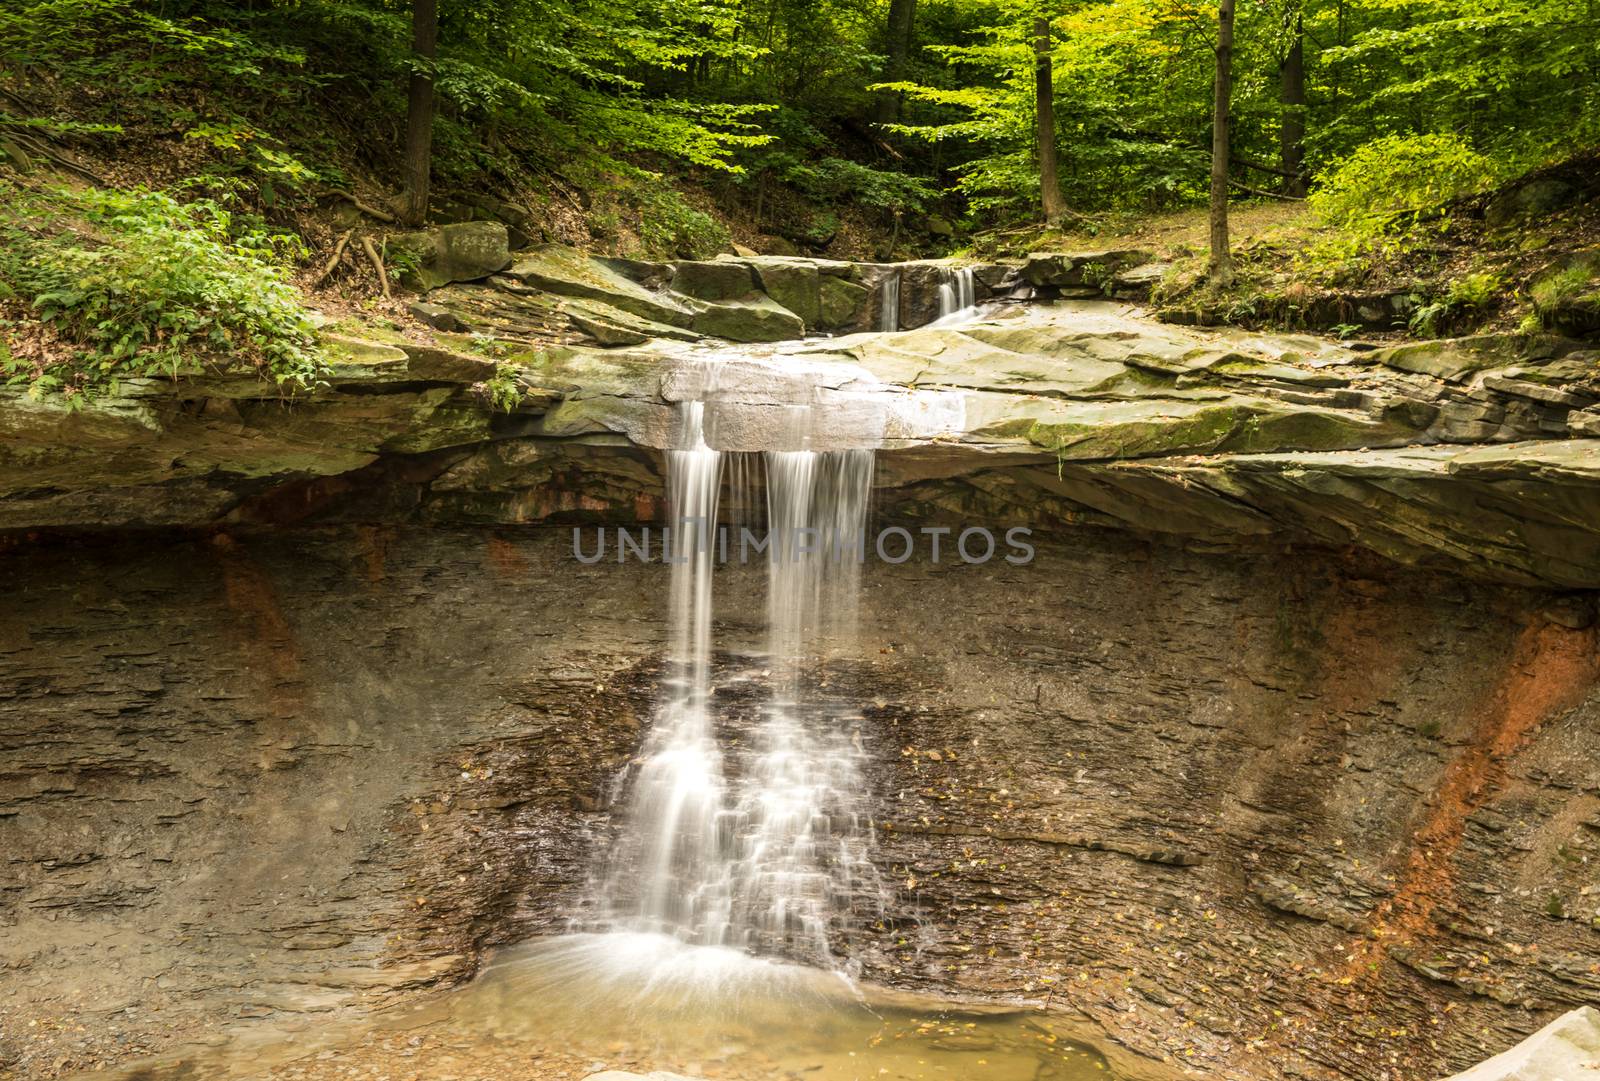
x: 957, y: 292
x: 889, y: 303
x: 762, y: 844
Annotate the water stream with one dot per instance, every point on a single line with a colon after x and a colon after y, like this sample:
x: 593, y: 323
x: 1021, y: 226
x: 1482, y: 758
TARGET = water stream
x: 957, y: 292
x: 889, y: 303
x: 764, y: 847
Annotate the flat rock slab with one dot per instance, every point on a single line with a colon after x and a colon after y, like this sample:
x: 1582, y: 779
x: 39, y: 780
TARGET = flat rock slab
x: 1567, y: 1049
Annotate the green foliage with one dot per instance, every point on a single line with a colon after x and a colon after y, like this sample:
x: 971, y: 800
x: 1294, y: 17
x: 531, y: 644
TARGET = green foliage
x: 135, y: 283
x: 1478, y: 290
x: 502, y: 390
x: 1394, y: 182
x: 839, y: 180
x: 1566, y: 286
x: 1467, y: 297
x: 641, y: 213
x: 1512, y: 77
x: 670, y: 227
x: 1407, y: 101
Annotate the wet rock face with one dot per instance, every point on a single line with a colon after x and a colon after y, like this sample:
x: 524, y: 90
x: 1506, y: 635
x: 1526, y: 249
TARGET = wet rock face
x: 1310, y: 817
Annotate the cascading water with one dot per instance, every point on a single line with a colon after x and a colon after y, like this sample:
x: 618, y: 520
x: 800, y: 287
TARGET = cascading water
x: 957, y: 292
x: 763, y: 847
x: 889, y: 302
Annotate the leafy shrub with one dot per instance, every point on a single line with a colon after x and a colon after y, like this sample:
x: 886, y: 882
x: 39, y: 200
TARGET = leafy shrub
x: 1391, y: 183
x: 1467, y: 297
x: 837, y: 180
x: 134, y: 283
x: 1478, y: 290
x: 502, y: 391
x: 669, y: 226
x: 1565, y: 285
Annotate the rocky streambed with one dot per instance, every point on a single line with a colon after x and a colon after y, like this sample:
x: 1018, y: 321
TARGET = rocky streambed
x: 1276, y: 762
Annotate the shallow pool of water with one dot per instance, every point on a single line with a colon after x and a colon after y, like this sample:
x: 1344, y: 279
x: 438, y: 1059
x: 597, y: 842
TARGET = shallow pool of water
x: 711, y: 1012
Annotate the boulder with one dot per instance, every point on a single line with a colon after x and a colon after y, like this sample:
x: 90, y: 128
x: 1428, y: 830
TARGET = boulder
x: 996, y: 277
x: 463, y: 252
x: 1139, y: 282
x: 841, y: 303
x: 758, y: 320
x: 1539, y: 195
x: 794, y: 283
x: 647, y: 272
x: 436, y: 316
x: 1080, y: 268
x: 1567, y: 294
x: 1567, y: 1049
x: 715, y: 280
x: 567, y: 271
x: 611, y: 326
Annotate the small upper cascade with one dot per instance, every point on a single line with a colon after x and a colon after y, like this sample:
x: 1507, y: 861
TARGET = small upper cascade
x: 889, y: 302
x: 957, y: 292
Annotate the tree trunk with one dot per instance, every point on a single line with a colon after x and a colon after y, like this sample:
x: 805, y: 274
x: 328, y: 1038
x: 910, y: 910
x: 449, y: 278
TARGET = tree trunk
x: 419, y: 110
x: 1221, y: 267
x: 898, y: 30
x: 1292, y: 134
x: 1055, y: 207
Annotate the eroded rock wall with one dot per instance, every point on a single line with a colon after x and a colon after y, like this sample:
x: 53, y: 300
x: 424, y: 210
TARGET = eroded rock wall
x: 1266, y: 816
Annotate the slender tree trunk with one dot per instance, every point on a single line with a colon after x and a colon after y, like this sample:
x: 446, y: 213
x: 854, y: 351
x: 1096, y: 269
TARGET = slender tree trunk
x: 1292, y: 134
x: 1339, y: 41
x: 898, y: 31
x: 1221, y: 268
x: 1055, y: 207
x: 419, y: 110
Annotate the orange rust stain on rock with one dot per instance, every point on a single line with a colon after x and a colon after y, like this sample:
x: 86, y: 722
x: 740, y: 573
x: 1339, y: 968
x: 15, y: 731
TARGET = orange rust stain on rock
x: 648, y: 508
x: 505, y: 558
x: 1551, y: 668
x: 267, y: 637
x: 374, y: 549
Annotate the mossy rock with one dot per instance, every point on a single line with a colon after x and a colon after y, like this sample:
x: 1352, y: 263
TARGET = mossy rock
x: 795, y: 284
x: 464, y: 252
x: 713, y: 280
x: 759, y: 320
x: 1567, y: 296
x: 569, y: 272
x: 841, y: 303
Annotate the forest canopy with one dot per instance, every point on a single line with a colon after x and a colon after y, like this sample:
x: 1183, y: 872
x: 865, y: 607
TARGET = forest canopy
x: 896, y: 106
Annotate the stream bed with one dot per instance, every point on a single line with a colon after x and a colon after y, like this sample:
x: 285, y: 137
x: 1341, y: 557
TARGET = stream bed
x: 716, y: 1012
x: 571, y: 1005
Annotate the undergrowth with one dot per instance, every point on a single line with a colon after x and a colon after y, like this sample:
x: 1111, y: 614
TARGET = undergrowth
x: 102, y: 285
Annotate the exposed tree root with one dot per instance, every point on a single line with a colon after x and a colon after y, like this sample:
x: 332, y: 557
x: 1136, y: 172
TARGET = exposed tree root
x: 333, y: 260
x: 368, y: 210
x: 377, y: 264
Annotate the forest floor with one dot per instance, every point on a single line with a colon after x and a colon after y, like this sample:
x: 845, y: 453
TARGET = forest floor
x: 1476, y: 268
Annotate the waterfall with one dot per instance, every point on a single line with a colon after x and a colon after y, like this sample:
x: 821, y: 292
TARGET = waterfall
x: 889, y: 302
x: 956, y: 291
x: 761, y: 843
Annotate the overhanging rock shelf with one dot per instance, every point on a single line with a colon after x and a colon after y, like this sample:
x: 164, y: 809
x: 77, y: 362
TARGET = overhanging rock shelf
x: 1479, y: 454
